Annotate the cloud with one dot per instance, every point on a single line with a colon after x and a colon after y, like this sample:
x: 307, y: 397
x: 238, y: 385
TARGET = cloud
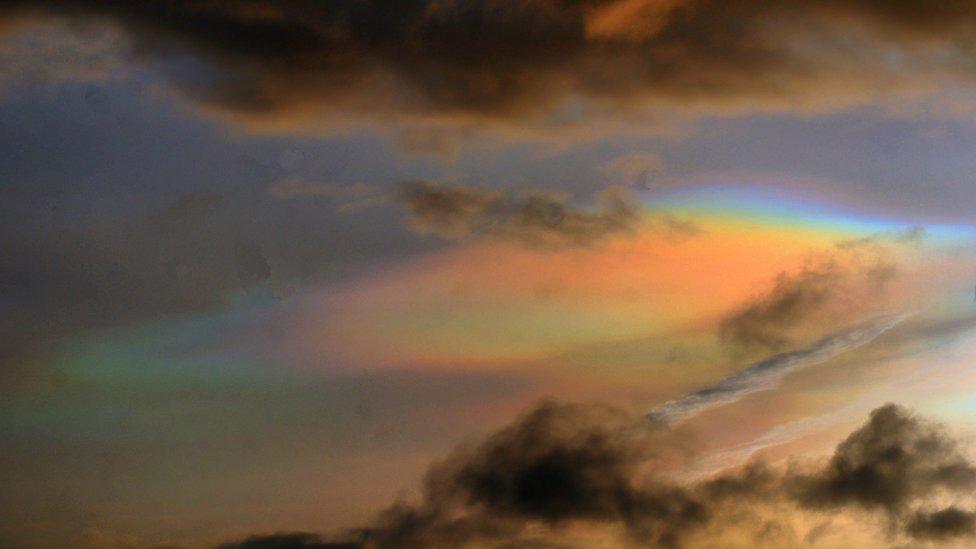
x: 536, y: 59
x: 533, y: 218
x: 911, y: 236
x: 838, y: 286
x: 767, y: 373
x: 564, y: 468
x: 450, y: 211
x: 288, y: 540
x: 763, y: 322
x: 947, y: 523
x: 558, y: 463
x: 889, y: 463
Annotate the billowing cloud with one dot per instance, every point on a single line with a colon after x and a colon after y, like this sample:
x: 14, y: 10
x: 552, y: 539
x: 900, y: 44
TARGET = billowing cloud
x: 534, y: 218
x: 557, y: 464
x: 889, y: 464
x: 565, y: 466
x: 537, y: 58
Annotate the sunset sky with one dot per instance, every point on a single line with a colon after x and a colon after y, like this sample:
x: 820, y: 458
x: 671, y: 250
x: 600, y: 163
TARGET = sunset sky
x: 487, y: 273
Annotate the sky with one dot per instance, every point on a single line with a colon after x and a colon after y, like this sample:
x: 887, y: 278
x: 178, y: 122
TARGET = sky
x: 484, y: 273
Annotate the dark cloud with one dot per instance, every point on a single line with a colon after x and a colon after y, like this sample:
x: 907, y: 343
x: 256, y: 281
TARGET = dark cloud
x: 451, y: 211
x: 561, y: 465
x: 889, y: 463
x: 565, y: 462
x: 557, y: 464
x: 288, y: 540
x: 501, y: 59
x: 947, y: 523
x: 764, y: 322
x: 538, y: 219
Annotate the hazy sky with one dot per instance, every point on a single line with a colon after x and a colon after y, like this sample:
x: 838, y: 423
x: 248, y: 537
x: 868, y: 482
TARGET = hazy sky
x: 487, y: 273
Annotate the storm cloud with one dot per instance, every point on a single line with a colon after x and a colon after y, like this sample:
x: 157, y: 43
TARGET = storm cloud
x: 566, y: 465
x: 533, y: 58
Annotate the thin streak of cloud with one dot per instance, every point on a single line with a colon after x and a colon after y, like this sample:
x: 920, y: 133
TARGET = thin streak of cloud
x: 768, y: 373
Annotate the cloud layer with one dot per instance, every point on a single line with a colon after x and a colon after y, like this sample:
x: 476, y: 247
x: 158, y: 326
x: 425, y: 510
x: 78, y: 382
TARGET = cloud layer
x: 534, y: 58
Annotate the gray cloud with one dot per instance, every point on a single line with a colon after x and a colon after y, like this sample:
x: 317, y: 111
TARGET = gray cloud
x: 914, y: 236
x: 538, y: 219
x: 763, y: 322
x: 451, y: 211
x: 767, y: 373
x: 838, y: 286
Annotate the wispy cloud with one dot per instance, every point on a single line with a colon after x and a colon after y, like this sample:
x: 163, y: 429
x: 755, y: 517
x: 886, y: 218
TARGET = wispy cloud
x: 768, y: 373
x: 840, y: 285
x: 534, y: 218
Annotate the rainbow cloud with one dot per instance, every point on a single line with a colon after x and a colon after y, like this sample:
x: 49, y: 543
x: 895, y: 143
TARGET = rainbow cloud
x: 490, y: 302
